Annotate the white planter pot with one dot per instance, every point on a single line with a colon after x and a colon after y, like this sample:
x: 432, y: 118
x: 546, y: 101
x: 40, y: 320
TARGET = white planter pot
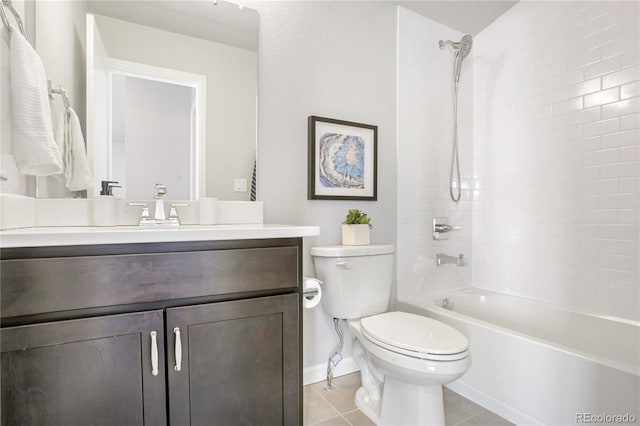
x: 355, y: 235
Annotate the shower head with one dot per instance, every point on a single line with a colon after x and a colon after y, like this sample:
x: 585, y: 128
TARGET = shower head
x: 462, y: 51
x: 465, y: 45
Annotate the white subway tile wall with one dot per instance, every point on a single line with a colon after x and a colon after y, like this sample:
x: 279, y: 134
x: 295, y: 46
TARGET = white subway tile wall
x: 425, y: 123
x: 556, y: 155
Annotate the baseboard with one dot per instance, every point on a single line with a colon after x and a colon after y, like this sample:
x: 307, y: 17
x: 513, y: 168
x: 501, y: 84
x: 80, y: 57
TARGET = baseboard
x: 492, y: 404
x: 317, y: 373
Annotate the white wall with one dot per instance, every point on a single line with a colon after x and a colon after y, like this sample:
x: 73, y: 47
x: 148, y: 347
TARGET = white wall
x: 425, y: 123
x: 332, y: 59
x: 231, y: 93
x: 60, y: 42
x: 556, y: 154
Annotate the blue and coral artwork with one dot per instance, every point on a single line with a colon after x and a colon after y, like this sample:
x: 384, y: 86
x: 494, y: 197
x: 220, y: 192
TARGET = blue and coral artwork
x: 341, y: 162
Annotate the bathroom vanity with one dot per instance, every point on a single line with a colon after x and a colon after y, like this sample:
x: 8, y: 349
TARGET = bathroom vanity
x: 201, y: 331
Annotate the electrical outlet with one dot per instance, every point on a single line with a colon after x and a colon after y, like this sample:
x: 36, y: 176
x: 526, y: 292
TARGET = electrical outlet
x: 240, y: 185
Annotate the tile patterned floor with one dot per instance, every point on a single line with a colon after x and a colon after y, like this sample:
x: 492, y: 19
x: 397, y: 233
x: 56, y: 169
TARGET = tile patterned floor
x: 337, y: 408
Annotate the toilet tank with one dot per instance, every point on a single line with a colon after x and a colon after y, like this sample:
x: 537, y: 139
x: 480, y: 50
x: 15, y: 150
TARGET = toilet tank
x: 356, y: 279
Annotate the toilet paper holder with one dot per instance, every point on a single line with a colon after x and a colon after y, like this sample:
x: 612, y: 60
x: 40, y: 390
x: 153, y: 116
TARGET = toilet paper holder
x: 311, y: 293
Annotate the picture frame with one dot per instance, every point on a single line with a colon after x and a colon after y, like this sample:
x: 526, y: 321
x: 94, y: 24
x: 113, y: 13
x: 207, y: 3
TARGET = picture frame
x: 342, y: 160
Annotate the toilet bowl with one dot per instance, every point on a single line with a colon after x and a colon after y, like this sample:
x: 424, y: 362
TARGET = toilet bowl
x: 404, y: 385
x: 404, y: 358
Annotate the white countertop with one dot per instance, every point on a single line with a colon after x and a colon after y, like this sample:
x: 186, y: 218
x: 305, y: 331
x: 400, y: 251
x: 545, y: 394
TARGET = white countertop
x: 82, y: 235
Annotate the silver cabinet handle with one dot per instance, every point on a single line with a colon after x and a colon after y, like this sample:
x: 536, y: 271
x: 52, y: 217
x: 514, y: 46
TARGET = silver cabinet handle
x: 178, y: 350
x: 154, y: 354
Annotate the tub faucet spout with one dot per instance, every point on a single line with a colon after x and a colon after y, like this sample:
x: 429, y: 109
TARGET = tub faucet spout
x: 443, y: 259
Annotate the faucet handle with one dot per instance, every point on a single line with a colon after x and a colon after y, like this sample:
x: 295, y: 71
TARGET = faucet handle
x: 440, y: 227
x: 444, y: 227
x: 144, y: 215
x: 173, y: 212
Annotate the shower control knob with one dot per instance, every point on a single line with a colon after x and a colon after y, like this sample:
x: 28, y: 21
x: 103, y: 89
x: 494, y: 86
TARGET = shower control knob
x: 441, y: 227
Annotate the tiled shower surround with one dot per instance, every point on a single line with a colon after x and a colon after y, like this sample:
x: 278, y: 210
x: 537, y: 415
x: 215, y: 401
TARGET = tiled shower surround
x: 554, y: 171
x: 425, y: 120
x: 556, y: 155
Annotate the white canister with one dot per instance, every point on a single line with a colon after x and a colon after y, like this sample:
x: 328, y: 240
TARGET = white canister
x: 105, y: 210
x: 208, y: 210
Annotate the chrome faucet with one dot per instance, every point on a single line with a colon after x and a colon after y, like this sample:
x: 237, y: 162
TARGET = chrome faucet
x: 159, y: 217
x: 161, y: 191
x: 443, y: 259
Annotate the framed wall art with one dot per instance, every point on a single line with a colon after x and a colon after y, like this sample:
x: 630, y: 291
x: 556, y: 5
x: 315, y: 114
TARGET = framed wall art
x: 343, y: 158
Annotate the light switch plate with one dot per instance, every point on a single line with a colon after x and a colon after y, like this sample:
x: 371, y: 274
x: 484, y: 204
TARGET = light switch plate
x: 240, y: 185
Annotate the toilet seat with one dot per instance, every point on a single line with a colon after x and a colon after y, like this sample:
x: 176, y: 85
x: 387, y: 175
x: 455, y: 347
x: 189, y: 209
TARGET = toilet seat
x: 415, y: 336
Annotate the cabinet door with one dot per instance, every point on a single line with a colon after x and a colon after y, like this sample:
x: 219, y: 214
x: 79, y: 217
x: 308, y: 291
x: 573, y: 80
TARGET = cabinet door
x: 240, y: 363
x: 94, y: 371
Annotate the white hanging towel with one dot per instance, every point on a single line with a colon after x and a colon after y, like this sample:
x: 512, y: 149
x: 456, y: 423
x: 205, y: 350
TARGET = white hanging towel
x: 34, y: 149
x: 68, y: 135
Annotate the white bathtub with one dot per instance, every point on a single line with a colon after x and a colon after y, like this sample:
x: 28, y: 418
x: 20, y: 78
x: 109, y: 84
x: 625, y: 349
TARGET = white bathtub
x: 534, y: 363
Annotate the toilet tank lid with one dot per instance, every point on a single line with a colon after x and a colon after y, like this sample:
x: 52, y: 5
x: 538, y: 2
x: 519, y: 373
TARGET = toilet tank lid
x: 347, y: 251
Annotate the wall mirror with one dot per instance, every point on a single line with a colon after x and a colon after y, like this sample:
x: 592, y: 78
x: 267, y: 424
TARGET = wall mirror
x: 170, y: 94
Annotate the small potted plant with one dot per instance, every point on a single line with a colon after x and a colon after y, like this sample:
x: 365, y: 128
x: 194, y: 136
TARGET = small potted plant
x: 356, y: 228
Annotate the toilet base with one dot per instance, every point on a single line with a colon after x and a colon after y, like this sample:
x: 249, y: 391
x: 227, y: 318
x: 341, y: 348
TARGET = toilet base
x: 369, y: 407
x: 404, y: 404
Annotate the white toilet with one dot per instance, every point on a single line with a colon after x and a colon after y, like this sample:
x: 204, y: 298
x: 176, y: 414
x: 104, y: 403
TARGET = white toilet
x: 404, y: 358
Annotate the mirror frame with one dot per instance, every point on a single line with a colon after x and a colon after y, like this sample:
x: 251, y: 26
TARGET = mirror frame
x: 197, y: 155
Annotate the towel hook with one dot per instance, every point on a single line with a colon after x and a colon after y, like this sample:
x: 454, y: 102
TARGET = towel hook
x: 16, y: 15
x: 59, y: 91
x: 5, y: 20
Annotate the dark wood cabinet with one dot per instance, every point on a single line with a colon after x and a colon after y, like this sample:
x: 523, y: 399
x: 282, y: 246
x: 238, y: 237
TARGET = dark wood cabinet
x: 239, y: 363
x: 81, y: 328
x: 94, y: 371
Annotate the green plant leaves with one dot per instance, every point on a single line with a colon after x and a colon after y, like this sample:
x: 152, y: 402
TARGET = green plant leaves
x: 357, y: 217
